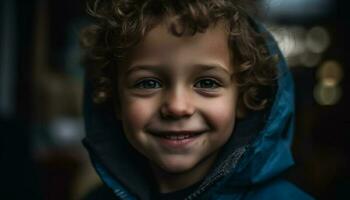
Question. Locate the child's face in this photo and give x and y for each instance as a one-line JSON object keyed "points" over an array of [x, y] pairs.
{"points": [[178, 99]]}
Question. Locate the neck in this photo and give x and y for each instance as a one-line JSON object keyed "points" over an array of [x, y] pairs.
{"points": [[170, 182]]}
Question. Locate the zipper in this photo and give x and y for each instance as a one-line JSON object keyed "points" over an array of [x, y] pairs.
{"points": [[225, 168], [120, 194]]}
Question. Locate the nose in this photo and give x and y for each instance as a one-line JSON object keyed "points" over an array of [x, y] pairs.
{"points": [[177, 104]]}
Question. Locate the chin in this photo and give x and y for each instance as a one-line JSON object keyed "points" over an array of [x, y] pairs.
{"points": [[176, 166]]}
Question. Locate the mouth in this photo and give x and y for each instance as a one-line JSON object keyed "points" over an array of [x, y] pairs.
{"points": [[176, 135], [176, 140]]}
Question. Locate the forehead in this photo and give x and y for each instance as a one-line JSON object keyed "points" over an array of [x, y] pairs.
{"points": [[161, 46]]}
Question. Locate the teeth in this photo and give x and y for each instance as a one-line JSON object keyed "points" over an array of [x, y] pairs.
{"points": [[177, 137]]}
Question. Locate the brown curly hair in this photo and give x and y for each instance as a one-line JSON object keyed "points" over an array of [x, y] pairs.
{"points": [[121, 24]]}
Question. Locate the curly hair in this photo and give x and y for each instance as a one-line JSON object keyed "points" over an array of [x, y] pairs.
{"points": [[121, 24]]}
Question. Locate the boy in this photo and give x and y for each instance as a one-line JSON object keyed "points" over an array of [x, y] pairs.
{"points": [[187, 102]]}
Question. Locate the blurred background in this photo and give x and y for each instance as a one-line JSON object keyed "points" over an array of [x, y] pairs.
{"points": [[41, 125]]}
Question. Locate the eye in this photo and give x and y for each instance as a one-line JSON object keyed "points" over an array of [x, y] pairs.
{"points": [[207, 84], [148, 84]]}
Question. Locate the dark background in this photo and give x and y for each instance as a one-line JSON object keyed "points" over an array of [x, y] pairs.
{"points": [[41, 156]]}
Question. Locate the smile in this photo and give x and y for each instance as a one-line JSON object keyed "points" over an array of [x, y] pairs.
{"points": [[176, 135], [176, 139]]}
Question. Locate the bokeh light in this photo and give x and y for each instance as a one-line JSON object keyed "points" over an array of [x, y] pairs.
{"points": [[330, 73], [301, 46], [327, 91], [327, 95], [317, 39]]}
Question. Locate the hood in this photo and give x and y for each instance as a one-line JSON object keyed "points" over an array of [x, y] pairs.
{"points": [[258, 150]]}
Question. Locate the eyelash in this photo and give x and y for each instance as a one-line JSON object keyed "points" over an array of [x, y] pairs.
{"points": [[215, 83], [157, 83], [141, 84]]}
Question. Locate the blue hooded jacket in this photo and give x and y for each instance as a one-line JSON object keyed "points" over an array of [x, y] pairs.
{"points": [[249, 165]]}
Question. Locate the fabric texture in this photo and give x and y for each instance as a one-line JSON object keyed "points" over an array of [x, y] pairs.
{"points": [[248, 167]]}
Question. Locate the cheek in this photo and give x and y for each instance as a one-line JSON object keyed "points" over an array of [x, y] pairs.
{"points": [[221, 115], [136, 114]]}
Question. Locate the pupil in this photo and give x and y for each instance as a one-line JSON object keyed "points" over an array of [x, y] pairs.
{"points": [[150, 84], [207, 83]]}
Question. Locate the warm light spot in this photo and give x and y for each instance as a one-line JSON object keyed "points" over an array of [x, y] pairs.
{"points": [[330, 72], [327, 95]]}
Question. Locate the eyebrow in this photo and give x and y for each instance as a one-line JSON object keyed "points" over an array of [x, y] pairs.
{"points": [[146, 67], [197, 68], [212, 67]]}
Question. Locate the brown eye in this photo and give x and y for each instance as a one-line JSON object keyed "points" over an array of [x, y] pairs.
{"points": [[148, 84], [207, 84]]}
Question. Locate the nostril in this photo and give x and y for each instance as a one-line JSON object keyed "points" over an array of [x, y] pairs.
{"points": [[176, 112], [177, 109]]}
